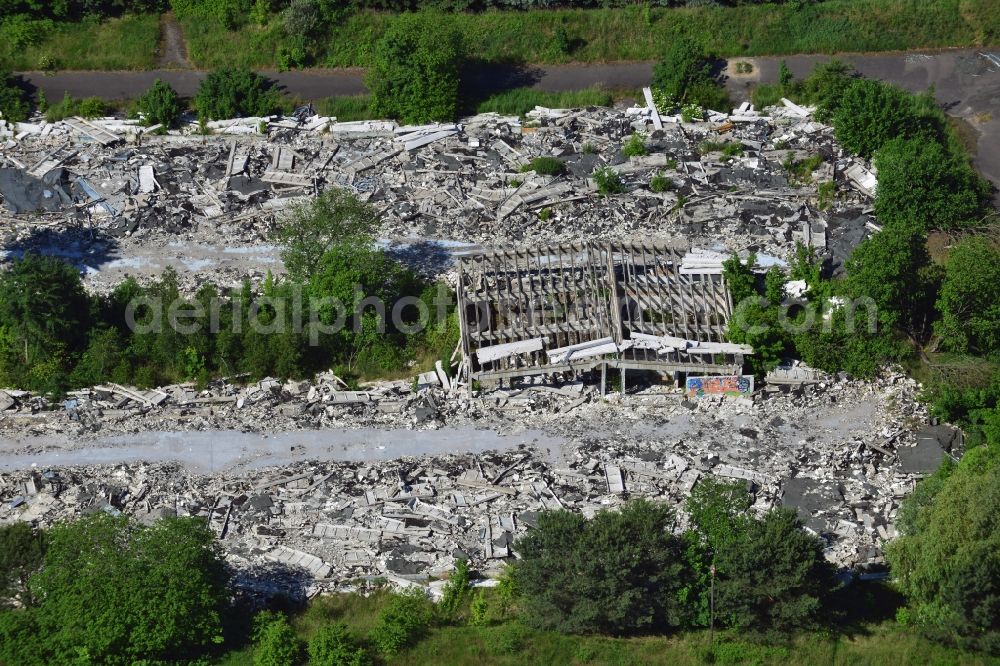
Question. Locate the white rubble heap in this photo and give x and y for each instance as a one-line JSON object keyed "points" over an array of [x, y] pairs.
{"points": [[312, 513], [80, 183]]}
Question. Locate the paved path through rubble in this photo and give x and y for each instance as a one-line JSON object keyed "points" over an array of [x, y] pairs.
{"points": [[966, 82], [218, 451]]}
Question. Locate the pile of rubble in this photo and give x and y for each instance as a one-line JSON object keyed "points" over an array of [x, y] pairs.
{"points": [[732, 185], [840, 452]]}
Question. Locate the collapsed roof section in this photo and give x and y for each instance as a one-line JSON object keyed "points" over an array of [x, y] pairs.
{"points": [[575, 307]]}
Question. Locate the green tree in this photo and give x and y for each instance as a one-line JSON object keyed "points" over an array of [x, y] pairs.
{"points": [[114, 592], [44, 317], [416, 70], [334, 645], [160, 105], [947, 559], [231, 93], [619, 572], [22, 549], [969, 299], [14, 104], [923, 183], [336, 217], [871, 113], [682, 67], [455, 592], [890, 268], [770, 573]]}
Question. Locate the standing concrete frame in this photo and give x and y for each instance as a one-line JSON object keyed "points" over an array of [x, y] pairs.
{"points": [[576, 307]]}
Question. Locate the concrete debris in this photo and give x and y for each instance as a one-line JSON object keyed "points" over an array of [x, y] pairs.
{"points": [[200, 202], [355, 484]]}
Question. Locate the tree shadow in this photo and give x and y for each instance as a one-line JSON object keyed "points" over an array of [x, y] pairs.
{"points": [[423, 257], [858, 606], [87, 249], [481, 79], [273, 585]]}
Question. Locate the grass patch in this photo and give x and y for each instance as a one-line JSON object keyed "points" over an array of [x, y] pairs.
{"points": [[727, 148], [766, 95], [128, 42], [545, 166], [635, 33], [347, 107], [518, 101], [510, 644], [801, 170]]}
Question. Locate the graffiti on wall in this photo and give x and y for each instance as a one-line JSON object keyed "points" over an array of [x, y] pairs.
{"points": [[736, 385]]}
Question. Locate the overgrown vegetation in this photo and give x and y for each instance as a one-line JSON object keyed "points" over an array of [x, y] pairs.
{"points": [[88, 107], [608, 181], [684, 77]]}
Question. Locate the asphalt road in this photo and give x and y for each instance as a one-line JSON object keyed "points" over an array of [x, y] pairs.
{"points": [[966, 83]]}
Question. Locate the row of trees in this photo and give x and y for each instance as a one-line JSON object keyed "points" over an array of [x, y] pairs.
{"points": [[53, 335], [628, 571]]}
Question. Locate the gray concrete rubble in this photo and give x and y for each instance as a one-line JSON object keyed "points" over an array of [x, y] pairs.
{"points": [[171, 199], [390, 483]]}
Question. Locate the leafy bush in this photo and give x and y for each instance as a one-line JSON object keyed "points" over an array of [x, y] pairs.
{"points": [[334, 645], [545, 166], [635, 146], [683, 67], [22, 552], [608, 181], [14, 103], [160, 105], [275, 642], [616, 573], [403, 622], [969, 300], [231, 93], [416, 70]]}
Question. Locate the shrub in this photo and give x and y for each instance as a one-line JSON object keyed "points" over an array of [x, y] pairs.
{"points": [[683, 67], [160, 105], [545, 166], [231, 93], [275, 642], [660, 183], [608, 181], [456, 590], [692, 112], [403, 622], [969, 300], [635, 146], [334, 645], [415, 72], [616, 573], [14, 103]]}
